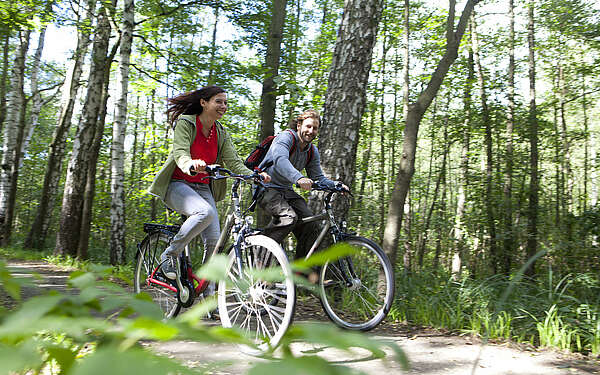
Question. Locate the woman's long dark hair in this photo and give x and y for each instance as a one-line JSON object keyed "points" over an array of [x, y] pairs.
{"points": [[189, 103]]}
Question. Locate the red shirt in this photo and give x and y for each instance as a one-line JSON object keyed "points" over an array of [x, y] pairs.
{"points": [[202, 148]]}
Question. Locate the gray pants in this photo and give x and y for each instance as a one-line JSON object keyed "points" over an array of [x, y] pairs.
{"points": [[286, 207], [197, 203]]}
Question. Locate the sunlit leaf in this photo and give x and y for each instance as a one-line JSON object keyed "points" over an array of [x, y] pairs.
{"points": [[334, 252], [215, 269], [14, 359], [133, 361]]}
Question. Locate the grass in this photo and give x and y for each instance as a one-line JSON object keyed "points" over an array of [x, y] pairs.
{"points": [[551, 312]]}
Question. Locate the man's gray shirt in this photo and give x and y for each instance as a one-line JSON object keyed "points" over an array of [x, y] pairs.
{"points": [[285, 171]]}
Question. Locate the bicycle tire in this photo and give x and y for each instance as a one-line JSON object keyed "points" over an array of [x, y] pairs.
{"points": [[263, 309], [364, 304], [147, 260]]}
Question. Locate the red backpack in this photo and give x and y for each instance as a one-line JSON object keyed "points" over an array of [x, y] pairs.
{"points": [[258, 154]]}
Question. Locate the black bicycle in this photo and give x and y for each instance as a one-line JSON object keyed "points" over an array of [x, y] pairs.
{"points": [[357, 290]]}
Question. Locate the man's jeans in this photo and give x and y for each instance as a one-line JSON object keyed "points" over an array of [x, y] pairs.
{"points": [[286, 207]]}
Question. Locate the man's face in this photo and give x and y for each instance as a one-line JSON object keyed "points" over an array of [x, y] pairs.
{"points": [[308, 130]]}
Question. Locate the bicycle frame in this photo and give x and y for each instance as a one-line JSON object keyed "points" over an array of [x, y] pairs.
{"points": [[337, 235], [329, 218], [233, 223]]}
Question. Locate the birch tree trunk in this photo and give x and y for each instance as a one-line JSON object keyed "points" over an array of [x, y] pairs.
{"points": [[415, 115], [3, 77], [36, 98], [68, 236], [117, 208], [11, 138], [39, 230], [532, 235], [90, 185], [345, 98]]}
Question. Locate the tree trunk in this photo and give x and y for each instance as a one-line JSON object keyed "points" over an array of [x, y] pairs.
{"points": [[463, 186], [90, 185], [566, 171], [67, 239], [345, 98], [509, 234], [532, 235], [586, 150], [489, 167], [382, 145], [268, 98], [438, 183], [36, 96], [3, 77], [39, 230], [415, 114], [117, 188], [11, 139], [213, 46]]}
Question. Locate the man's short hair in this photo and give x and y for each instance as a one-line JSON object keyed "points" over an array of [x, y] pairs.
{"points": [[309, 113]]}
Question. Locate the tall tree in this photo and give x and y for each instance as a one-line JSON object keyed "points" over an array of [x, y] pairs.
{"points": [[489, 162], [4, 76], [463, 187], [117, 208], [68, 236], [36, 236], [345, 98], [509, 233], [268, 97], [532, 212], [413, 120], [12, 137]]}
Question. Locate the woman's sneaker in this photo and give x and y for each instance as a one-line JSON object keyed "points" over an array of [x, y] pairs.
{"points": [[168, 266]]}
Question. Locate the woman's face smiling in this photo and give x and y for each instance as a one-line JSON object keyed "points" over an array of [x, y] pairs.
{"points": [[216, 106]]}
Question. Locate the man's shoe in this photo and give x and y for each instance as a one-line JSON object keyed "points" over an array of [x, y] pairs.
{"points": [[168, 267]]}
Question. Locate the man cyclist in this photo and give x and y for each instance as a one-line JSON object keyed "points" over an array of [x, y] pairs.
{"points": [[291, 152]]}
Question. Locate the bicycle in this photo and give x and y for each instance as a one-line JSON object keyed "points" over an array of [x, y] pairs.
{"points": [[262, 305], [356, 291]]}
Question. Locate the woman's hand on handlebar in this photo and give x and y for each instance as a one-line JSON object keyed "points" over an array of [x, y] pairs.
{"points": [[197, 166]]}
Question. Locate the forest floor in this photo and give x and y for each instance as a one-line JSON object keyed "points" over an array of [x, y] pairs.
{"points": [[430, 352]]}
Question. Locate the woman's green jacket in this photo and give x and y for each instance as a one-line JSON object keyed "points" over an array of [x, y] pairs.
{"points": [[183, 137]]}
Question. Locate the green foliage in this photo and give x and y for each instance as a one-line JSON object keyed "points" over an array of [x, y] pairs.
{"points": [[98, 330]]}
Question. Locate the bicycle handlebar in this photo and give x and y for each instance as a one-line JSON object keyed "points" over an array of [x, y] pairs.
{"points": [[220, 173], [338, 188]]}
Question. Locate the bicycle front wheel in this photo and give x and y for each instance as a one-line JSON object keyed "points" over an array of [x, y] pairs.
{"points": [[357, 291], [147, 261], [260, 299]]}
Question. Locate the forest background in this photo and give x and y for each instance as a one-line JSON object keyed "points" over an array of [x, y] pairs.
{"points": [[470, 140]]}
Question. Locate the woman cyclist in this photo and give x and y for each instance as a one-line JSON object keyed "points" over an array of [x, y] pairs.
{"points": [[198, 140]]}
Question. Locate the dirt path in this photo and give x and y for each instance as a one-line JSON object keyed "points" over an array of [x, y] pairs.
{"points": [[430, 352]]}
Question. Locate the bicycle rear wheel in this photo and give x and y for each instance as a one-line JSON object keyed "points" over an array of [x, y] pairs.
{"points": [[147, 260], [261, 299], [357, 291]]}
